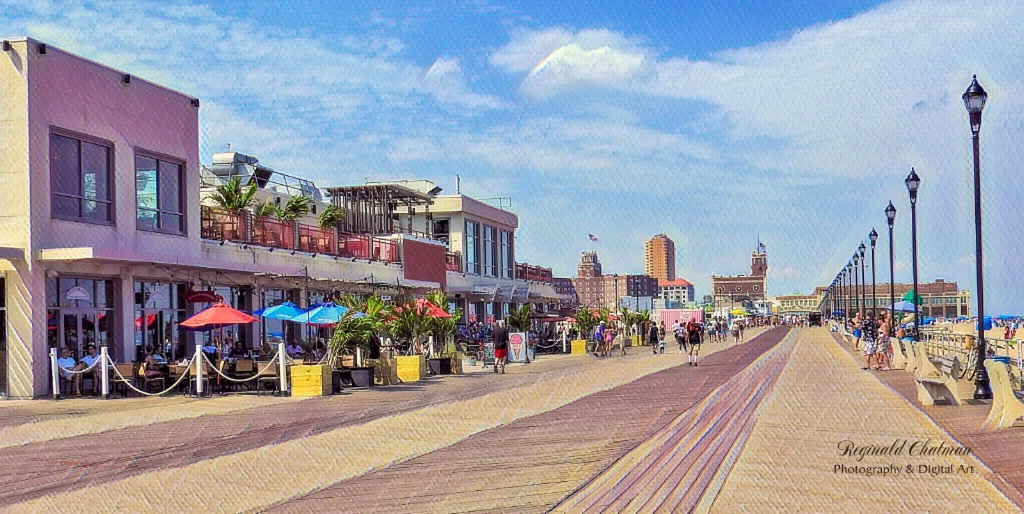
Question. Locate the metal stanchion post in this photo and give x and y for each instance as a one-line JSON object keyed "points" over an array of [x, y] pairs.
{"points": [[199, 370], [282, 376], [104, 372], [55, 373], [563, 340]]}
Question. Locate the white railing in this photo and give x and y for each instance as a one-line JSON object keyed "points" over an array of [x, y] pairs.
{"points": [[106, 364]]}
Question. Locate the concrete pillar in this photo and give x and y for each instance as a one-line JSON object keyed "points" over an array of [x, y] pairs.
{"points": [[27, 362], [124, 315]]}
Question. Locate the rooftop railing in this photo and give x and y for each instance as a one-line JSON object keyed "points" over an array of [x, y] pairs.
{"points": [[249, 229], [453, 261], [526, 271]]}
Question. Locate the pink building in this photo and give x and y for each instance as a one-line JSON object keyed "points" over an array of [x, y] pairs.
{"points": [[101, 231], [107, 233]]}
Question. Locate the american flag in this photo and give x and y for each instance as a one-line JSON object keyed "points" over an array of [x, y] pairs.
{"points": [[592, 237]]}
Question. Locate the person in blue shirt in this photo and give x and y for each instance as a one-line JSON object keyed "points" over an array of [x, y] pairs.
{"points": [[65, 365], [599, 335], [86, 363]]}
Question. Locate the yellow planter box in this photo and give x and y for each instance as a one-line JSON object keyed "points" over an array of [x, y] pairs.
{"points": [[411, 367], [385, 371], [579, 347], [312, 380], [636, 340]]}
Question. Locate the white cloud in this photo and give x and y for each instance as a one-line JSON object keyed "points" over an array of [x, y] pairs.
{"points": [[803, 139], [447, 82]]}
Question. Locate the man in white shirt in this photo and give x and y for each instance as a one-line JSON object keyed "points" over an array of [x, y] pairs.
{"points": [[66, 364], [293, 349], [87, 361]]}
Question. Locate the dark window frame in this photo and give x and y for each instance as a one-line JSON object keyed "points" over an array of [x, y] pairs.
{"points": [[505, 249], [182, 197], [472, 258], [111, 202], [490, 253]]}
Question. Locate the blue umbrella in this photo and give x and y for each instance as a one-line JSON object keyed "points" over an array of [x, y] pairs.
{"points": [[285, 311], [323, 314], [902, 306]]}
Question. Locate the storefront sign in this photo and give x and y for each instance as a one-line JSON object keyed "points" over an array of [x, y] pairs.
{"points": [[77, 293], [202, 297]]}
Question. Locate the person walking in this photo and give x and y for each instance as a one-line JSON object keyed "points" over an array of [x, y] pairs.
{"points": [[869, 333], [856, 323], [661, 338], [500, 335], [679, 330], [695, 334], [652, 338], [598, 339], [884, 350]]}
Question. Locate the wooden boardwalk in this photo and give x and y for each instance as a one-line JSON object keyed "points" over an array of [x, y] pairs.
{"points": [[531, 465], [1001, 450]]}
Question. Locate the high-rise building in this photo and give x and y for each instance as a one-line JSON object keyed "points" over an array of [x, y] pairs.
{"points": [[660, 258]]}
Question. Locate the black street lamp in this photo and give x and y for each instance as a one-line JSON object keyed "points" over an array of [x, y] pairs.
{"points": [[873, 236], [913, 182], [974, 100], [856, 284], [863, 282], [890, 217], [849, 285]]}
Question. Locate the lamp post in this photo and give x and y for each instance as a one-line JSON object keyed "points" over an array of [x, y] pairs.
{"points": [[856, 283], [849, 285], [974, 100], [890, 217], [913, 182], [863, 280], [873, 236]]}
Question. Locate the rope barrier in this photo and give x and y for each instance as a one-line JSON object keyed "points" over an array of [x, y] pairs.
{"points": [[272, 362], [128, 383], [78, 372]]}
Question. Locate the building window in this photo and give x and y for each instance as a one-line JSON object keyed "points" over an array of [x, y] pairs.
{"points": [[472, 247], [80, 180], [490, 251], [159, 203], [507, 259]]}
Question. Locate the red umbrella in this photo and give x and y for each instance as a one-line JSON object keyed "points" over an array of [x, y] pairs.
{"points": [[432, 310], [219, 314]]}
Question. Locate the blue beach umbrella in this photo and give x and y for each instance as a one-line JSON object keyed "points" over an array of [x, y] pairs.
{"points": [[285, 311], [902, 306], [323, 314]]}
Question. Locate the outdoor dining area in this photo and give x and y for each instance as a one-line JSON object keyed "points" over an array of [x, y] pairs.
{"points": [[291, 369]]}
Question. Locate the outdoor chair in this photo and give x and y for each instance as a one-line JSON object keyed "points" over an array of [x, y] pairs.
{"points": [[269, 376], [145, 383], [192, 389], [122, 381], [244, 368]]}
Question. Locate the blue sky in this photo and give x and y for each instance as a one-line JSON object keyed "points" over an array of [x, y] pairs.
{"points": [[714, 122]]}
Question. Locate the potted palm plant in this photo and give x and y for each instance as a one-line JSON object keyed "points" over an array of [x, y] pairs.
{"points": [[444, 358], [408, 324], [586, 321], [355, 331], [330, 216], [231, 196]]}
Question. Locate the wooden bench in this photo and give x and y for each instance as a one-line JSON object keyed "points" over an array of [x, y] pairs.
{"points": [[1006, 407], [937, 379]]}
